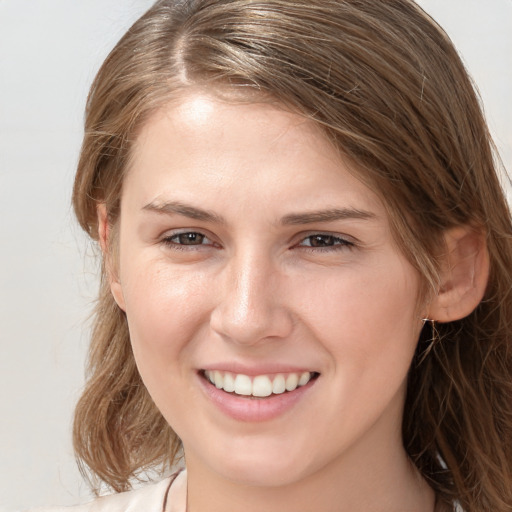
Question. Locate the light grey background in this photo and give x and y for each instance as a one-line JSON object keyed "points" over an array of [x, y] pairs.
{"points": [[49, 53]]}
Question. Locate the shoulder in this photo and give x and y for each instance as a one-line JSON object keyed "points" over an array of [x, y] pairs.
{"points": [[149, 498]]}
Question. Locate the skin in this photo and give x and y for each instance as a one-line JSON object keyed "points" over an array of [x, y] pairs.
{"points": [[252, 291]]}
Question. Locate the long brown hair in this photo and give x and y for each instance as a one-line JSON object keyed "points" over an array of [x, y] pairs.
{"points": [[388, 88]]}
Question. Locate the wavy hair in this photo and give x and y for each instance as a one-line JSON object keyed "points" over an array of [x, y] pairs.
{"points": [[387, 87]]}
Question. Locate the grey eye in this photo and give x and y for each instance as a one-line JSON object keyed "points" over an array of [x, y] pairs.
{"points": [[188, 239]]}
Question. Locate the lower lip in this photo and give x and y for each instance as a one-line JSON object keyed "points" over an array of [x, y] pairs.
{"points": [[254, 409]]}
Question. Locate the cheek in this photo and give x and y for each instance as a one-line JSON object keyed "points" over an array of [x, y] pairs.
{"points": [[368, 317], [368, 325], [165, 311]]}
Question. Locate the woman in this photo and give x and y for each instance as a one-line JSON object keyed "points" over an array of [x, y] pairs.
{"points": [[306, 287]]}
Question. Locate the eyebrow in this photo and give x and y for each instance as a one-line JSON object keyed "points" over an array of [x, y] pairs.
{"points": [[178, 208], [192, 212], [329, 215]]}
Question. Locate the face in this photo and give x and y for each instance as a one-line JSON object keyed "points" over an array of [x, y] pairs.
{"points": [[272, 317]]}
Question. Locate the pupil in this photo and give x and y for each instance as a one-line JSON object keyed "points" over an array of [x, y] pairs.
{"points": [[190, 238], [321, 241]]}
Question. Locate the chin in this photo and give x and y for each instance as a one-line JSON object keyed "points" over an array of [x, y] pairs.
{"points": [[260, 475], [263, 467]]}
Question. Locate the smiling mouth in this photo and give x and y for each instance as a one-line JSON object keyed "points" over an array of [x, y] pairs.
{"points": [[259, 386]]}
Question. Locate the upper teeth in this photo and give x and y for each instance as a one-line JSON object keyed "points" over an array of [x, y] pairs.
{"points": [[261, 385]]}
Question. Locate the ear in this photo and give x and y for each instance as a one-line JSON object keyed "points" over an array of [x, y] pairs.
{"points": [[464, 275], [106, 249]]}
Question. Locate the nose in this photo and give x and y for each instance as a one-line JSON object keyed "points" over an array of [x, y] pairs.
{"points": [[250, 305]]}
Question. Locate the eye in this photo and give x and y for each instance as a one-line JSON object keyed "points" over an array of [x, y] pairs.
{"points": [[187, 238], [325, 241]]}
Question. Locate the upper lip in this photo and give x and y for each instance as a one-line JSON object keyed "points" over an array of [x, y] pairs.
{"points": [[257, 369]]}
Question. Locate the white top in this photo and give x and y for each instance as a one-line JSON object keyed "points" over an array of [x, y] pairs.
{"points": [[169, 495]]}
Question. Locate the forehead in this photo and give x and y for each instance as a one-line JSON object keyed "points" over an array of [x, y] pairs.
{"points": [[204, 144], [228, 117]]}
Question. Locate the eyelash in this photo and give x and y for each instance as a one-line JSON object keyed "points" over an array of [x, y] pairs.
{"points": [[338, 243]]}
